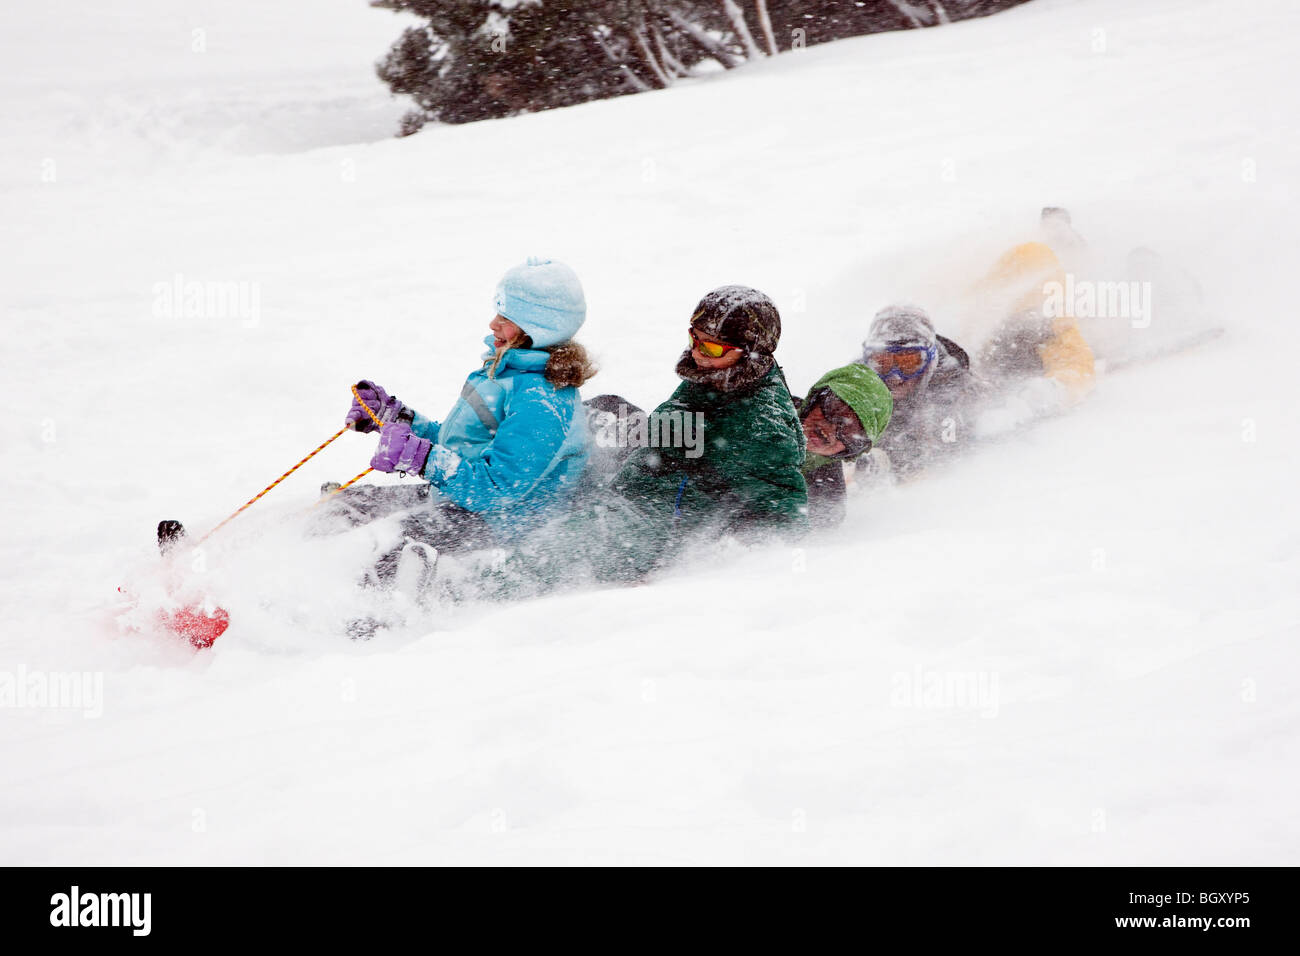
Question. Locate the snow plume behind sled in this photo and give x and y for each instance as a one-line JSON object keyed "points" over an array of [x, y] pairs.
{"points": [[1135, 282], [281, 580], [303, 580]]}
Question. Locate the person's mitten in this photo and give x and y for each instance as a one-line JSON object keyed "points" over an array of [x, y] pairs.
{"points": [[399, 450], [387, 408]]}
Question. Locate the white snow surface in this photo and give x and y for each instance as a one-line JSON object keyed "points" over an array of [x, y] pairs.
{"points": [[1120, 581]]}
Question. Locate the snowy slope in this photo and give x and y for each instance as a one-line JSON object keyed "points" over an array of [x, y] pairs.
{"points": [[1120, 583]]}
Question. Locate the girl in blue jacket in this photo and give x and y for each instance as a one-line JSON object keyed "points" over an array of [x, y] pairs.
{"points": [[514, 445]]}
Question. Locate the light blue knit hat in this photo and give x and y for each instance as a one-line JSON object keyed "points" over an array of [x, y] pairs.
{"points": [[544, 298]]}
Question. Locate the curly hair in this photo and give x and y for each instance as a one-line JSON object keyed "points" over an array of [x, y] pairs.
{"points": [[569, 365]]}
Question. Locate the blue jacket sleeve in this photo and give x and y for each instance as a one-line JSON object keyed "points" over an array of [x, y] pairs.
{"points": [[528, 440], [425, 428]]}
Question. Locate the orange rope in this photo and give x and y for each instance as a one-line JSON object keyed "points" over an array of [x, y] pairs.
{"points": [[357, 396], [250, 501], [344, 486], [348, 484], [318, 448]]}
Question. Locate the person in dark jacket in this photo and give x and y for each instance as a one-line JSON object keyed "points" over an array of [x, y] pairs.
{"points": [[934, 391], [746, 474], [722, 456], [843, 415]]}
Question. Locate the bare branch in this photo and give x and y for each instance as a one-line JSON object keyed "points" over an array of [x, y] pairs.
{"points": [[647, 55], [704, 41], [765, 22], [629, 74], [737, 17], [665, 55]]}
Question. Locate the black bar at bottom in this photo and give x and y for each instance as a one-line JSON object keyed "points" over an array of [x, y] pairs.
{"points": [[1231, 906]]}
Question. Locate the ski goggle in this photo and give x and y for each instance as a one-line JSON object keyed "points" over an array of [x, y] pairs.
{"points": [[902, 362], [711, 349]]}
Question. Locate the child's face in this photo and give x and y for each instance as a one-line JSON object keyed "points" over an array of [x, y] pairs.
{"points": [[901, 391], [504, 331], [820, 434], [727, 360], [825, 435]]}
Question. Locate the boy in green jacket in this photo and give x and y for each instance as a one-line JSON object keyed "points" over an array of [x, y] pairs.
{"points": [[723, 455]]}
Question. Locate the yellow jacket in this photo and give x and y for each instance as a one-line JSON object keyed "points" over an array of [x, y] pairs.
{"points": [[1017, 281]]}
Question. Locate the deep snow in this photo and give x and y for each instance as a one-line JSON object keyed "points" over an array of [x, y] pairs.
{"points": [[1120, 582]]}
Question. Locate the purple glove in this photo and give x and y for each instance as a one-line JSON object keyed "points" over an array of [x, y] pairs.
{"points": [[399, 450], [386, 407]]}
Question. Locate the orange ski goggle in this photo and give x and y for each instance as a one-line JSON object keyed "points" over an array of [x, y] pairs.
{"points": [[711, 349]]}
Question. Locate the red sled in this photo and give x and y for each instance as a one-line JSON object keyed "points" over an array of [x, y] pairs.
{"points": [[195, 625]]}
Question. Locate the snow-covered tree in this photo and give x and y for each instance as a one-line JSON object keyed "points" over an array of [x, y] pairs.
{"points": [[479, 59]]}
